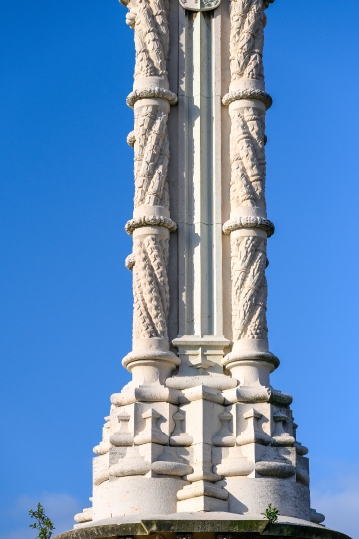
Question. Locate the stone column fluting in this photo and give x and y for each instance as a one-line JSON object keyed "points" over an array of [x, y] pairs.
{"points": [[151, 358], [249, 361]]}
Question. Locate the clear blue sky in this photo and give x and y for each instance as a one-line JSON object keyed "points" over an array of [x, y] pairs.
{"points": [[66, 192]]}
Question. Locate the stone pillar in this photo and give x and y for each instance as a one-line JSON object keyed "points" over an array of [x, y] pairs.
{"points": [[249, 361], [151, 358], [201, 431]]}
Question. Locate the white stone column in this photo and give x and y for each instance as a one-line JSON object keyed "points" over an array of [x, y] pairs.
{"points": [[250, 360], [200, 432], [151, 359]]}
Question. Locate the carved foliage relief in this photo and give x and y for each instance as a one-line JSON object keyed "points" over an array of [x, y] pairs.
{"points": [[151, 156], [246, 39], [248, 172], [249, 287], [150, 287], [149, 20], [248, 163]]}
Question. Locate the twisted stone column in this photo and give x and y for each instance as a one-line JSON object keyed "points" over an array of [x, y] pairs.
{"points": [[151, 359], [250, 361]]}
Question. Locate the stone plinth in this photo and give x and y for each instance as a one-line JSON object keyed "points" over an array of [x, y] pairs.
{"points": [[202, 526]]}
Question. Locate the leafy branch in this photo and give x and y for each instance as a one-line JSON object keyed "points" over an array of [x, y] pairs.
{"points": [[43, 524]]}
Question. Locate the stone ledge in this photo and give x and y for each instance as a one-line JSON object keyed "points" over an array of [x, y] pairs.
{"points": [[205, 526]]}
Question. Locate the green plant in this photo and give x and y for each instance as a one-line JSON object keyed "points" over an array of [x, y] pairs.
{"points": [[43, 524], [271, 513]]}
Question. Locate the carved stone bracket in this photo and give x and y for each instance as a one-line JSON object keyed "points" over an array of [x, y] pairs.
{"points": [[253, 432], [178, 437], [123, 437], [224, 438], [151, 433]]}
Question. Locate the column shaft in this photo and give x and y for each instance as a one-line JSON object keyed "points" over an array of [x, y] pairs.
{"points": [[200, 340]]}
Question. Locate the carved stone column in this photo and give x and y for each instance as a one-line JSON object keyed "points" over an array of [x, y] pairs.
{"points": [[202, 431], [249, 361], [151, 358]]}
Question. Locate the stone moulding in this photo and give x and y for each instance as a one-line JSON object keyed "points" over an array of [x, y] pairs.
{"points": [[234, 467], [154, 392], [278, 397], [275, 469], [204, 527], [147, 355], [249, 222], [150, 220], [147, 93], [85, 516], [101, 478], [268, 357], [171, 468], [249, 93]]}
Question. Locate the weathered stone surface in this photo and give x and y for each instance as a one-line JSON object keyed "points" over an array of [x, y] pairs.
{"points": [[204, 528], [199, 442]]}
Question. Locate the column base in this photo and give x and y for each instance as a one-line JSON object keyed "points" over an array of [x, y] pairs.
{"points": [[150, 365]]}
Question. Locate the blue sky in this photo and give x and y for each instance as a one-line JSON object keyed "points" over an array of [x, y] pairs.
{"points": [[66, 192]]}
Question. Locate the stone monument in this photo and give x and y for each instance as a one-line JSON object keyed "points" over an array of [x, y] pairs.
{"points": [[199, 442]]}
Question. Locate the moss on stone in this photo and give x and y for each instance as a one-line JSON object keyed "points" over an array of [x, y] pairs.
{"points": [[240, 529]]}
